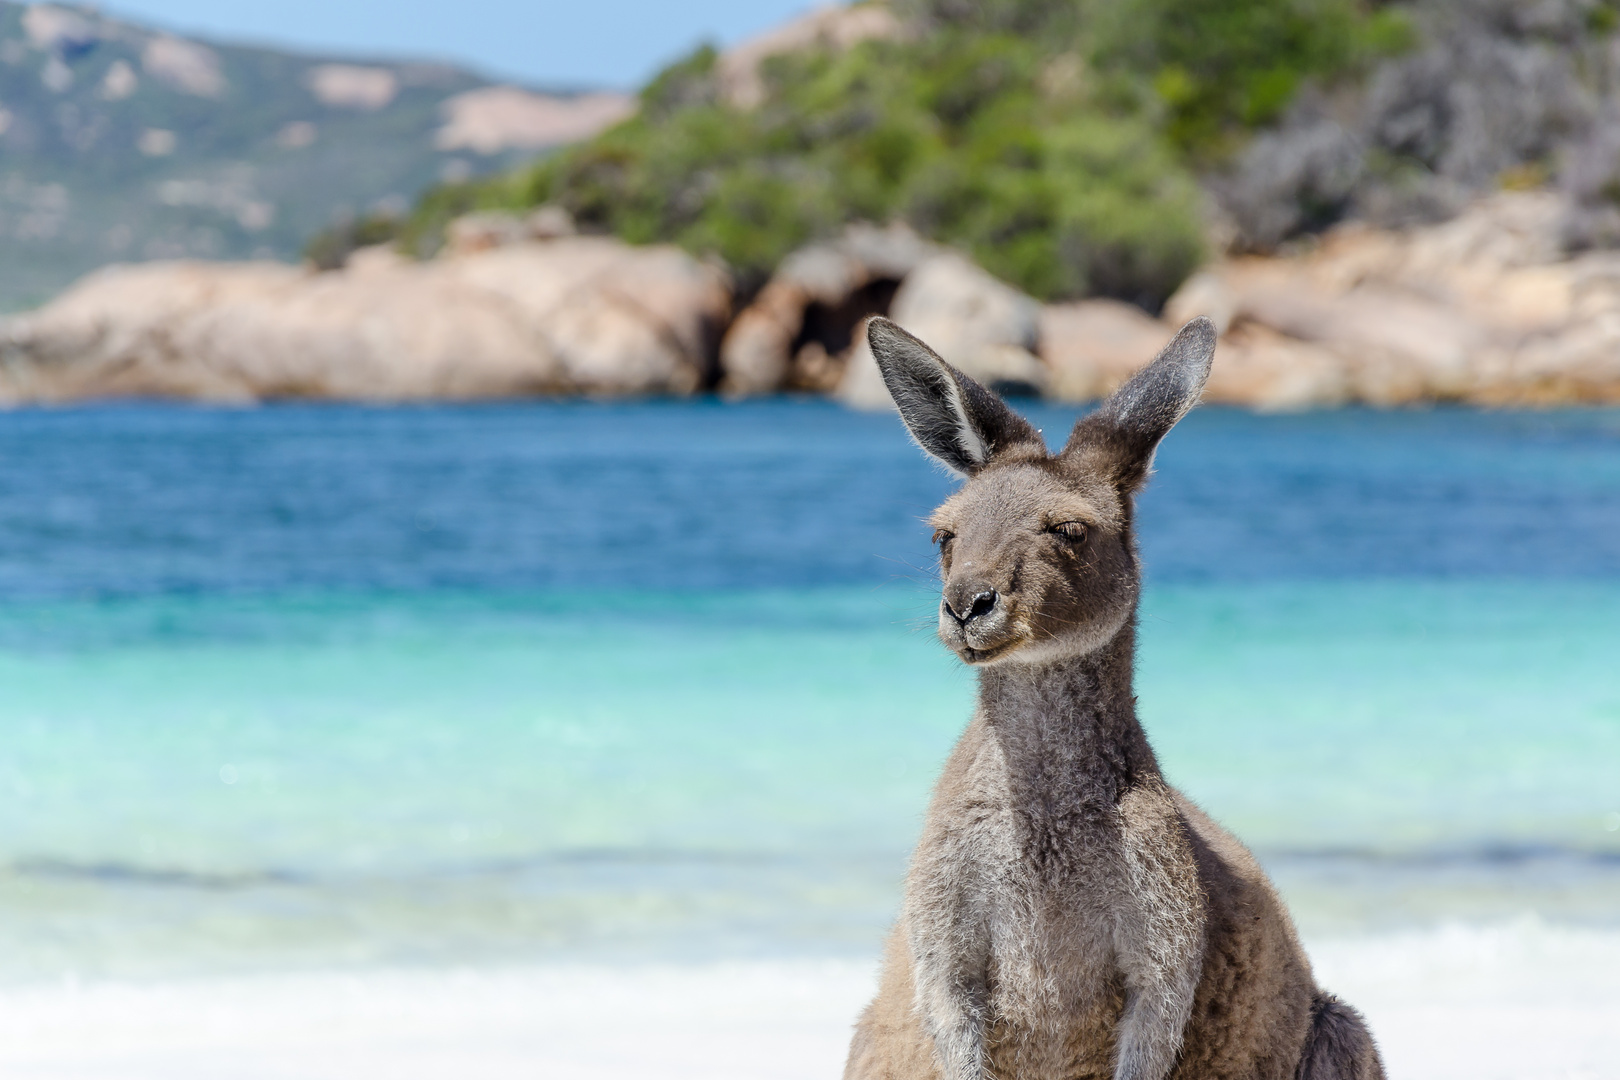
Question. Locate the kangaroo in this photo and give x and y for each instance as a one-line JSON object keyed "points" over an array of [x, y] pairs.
{"points": [[1068, 915]]}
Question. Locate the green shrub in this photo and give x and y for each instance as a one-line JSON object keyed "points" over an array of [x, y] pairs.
{"points": [[1223, 67], [332, 246], [1054, 140]]}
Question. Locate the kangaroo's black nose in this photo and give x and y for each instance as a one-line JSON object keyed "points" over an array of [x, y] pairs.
{"points": [[981, 604]]}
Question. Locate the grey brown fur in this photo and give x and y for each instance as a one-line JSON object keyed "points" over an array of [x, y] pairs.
{"points": [[1068, 914]]}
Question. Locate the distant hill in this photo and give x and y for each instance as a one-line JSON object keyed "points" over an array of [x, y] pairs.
{"points": [[119, 143]]}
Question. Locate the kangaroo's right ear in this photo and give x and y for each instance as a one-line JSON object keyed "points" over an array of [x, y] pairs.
{"points": [[953, 418]]}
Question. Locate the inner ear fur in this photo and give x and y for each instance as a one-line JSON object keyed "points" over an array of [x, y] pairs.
{"points": [[954, 419], [1127, 428]]}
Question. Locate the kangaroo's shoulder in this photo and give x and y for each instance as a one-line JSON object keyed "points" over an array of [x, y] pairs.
{"points": [[974, 779], [1238, 894], [968, 832], [1164, 889], [1219, 853]]}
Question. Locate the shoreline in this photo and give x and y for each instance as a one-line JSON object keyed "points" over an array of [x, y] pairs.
{"points": [[1523, 999]]}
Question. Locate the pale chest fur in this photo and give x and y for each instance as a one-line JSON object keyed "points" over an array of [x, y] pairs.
{"points": [[1045, 935]]}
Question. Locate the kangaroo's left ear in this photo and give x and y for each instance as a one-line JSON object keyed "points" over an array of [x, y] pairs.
{"points": [[1127, 428], [953, 418]]}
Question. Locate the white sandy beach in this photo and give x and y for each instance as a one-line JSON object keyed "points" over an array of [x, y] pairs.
{"points": [[1515, 1002]]}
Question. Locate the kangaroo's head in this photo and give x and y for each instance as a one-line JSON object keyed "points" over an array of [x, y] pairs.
{"points": [[1036, 550]]}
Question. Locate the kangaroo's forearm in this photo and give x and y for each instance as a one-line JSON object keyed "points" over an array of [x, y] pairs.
{"points": [[1151, 1031], [960, 1048], [953, 999], [1160, 940], [952, 993]]}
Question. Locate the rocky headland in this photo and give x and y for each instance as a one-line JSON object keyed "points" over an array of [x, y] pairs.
{"points": [[1486, 309], [1439, 228], [570, 315]]}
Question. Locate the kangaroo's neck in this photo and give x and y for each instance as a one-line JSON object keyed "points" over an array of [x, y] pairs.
{"points": [[1073, 746]]}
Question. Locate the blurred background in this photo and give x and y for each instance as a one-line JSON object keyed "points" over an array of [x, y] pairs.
{"points": [[464, 602]]}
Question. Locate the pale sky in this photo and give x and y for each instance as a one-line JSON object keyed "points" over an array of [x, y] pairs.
{"points": [[568, 42]]}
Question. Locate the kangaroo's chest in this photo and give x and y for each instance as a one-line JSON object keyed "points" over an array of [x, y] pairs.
{"points": [[1047, 878]]}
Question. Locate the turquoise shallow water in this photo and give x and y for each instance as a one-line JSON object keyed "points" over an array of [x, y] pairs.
{"points": [[224, 782], [332, 687]]}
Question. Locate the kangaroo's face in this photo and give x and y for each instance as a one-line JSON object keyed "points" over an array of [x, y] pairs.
{"points": [[1036, 561], [1036, 550]]}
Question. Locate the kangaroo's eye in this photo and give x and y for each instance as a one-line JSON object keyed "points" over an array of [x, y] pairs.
{"points": [[1070, 530], [943, 536]]}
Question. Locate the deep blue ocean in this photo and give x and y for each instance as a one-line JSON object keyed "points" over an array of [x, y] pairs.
{"points": [[328, 686]]}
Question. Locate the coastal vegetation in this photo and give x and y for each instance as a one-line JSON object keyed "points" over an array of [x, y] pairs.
{"points": [[1057, 142]]}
